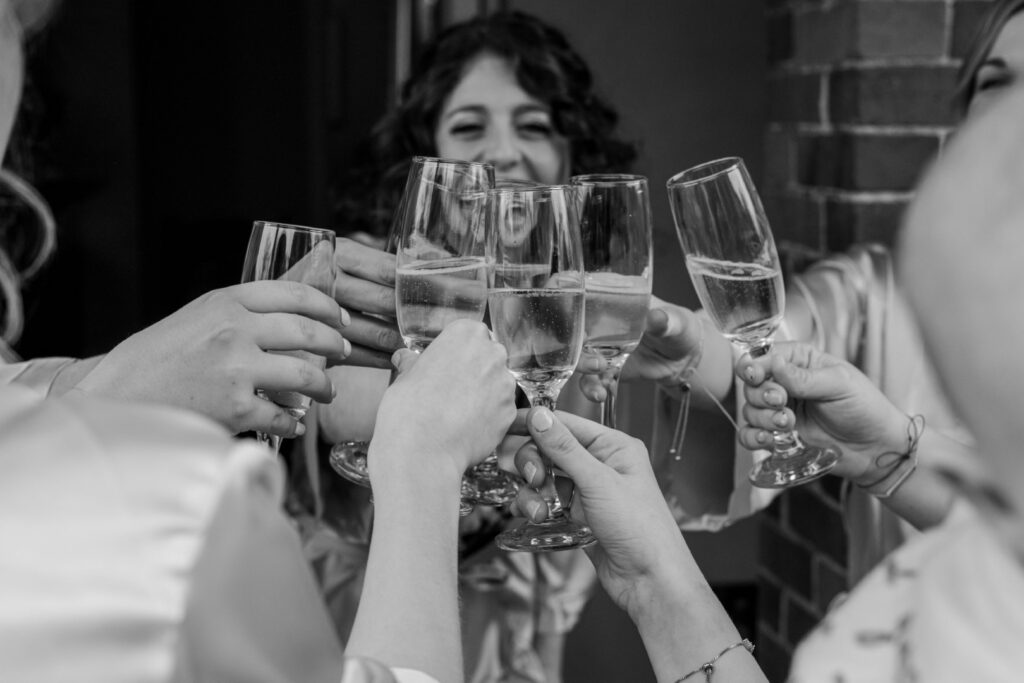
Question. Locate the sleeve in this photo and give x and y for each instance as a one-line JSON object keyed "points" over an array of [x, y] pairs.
{"points": [[38, 374]]}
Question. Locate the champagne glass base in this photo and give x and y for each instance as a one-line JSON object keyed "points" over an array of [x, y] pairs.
{"points": [[549, 535], [348, 459], [807, 464], [490, 488]]}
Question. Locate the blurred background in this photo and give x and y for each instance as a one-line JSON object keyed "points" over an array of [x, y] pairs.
{"points": [[160, 131]]}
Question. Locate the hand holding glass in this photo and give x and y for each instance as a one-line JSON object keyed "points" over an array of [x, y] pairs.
{"points": [[536, 303], [730, 254], [278, 251]]}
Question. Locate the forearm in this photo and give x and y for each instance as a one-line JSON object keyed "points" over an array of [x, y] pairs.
{"points": [[408, 613], [683, 625]]}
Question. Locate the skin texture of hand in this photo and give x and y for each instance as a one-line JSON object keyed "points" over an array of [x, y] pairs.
{"points": [[454, 403], [616, 493], [365, 286], [211, 355], [834, 404]]}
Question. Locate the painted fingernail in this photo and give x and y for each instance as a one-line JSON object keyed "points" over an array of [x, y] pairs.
{"points": [[749, 373], [346, 347], [773, 397], [300, 429], [762, 437], [780, 418], [533, 508], [530, 470], [541, 419]]}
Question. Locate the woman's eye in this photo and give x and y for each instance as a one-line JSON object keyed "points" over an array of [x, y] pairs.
{"points": [[536, 129], [464, 129]]}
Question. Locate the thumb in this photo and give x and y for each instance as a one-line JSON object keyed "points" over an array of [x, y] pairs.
{"points": [[554, 440], [403, 360]]}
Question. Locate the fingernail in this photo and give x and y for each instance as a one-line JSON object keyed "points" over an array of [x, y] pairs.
{"points": [[762, 437], [334, 390], [345, 317], [749, 373], [300, 429], [780, 418], [530, 470], [533, 508], [541, 419], [773, 397], [346, 347]]}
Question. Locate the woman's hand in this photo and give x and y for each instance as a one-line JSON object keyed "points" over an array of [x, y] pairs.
{"points": [[211, 355], [365, 285], [448, 408], [834, 403], [616, 494], [671, 344]]}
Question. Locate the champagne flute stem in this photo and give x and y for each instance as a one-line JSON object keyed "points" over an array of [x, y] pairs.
{"points": [[548, 490], [610, 379], [679, 433]]}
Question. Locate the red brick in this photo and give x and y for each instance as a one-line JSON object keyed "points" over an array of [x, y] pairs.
{"points": [[818, 523], [824, 36], [779, 35], [794, 97], [859, 221], [779, 166], [893, 95], [786, 560], [796, 217], [800, 620], [864, 161], [900, 29], [967, 16], [769, 603], [831, 581], [773, 656]]}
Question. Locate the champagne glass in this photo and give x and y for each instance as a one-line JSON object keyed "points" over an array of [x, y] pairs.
{"points": [[278, 251], [536, 304], [349, 457], [730, 254], [615, 228], [441, 261]]}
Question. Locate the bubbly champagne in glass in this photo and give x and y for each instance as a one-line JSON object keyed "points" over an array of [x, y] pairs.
{"points": [[745, 300], [542, 331], [616, 313], [431, 294]]}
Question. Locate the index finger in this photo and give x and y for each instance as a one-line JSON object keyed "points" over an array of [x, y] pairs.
{"points": [[286, 296], [365, 262]]}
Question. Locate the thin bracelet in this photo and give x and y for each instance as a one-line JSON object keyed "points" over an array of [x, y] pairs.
{"points": [[915, 428], [708, 667]]}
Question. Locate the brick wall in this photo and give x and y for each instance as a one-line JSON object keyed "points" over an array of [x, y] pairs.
{"points": [[858, 98]]}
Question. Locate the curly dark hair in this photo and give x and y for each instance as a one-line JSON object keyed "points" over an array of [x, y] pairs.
{"points": [[546, 67], [984, 38]]}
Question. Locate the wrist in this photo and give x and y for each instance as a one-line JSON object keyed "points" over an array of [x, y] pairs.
{"points": [[892, 467]]}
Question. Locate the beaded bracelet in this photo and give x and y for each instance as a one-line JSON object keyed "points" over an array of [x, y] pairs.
{"points": [[915, 428], [708, 667]]}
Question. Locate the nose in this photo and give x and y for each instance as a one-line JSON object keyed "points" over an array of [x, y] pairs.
{"points": [[503, 151]]}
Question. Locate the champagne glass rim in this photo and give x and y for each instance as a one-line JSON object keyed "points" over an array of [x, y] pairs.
{"points": [[704, 172], [293, 226], [532, 188], [603, 179], [453, 162]]}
